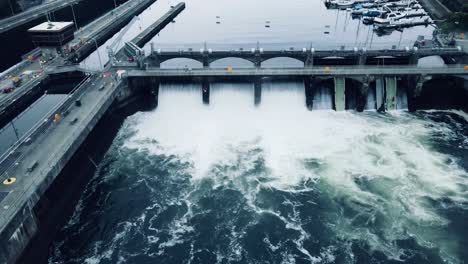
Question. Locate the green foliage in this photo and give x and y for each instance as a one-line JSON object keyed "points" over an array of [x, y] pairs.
{"points": [[457, 20]]}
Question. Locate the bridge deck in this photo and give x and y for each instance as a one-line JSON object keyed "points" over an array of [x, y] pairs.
{"points": [[33, 13], [59, 141], [146, 35], [313, 71], [98, 31], [29, 71], [158, 25]]}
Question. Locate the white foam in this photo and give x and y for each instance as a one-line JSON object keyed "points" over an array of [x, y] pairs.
{"points": [[391, 151]]}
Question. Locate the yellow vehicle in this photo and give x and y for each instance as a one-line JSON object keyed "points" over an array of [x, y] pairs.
{"points": [[16, 81]]}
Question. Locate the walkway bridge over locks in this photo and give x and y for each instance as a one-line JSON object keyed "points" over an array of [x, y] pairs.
{"points": [[351, 75]]}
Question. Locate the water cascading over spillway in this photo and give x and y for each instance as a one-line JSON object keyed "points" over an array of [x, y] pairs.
{"points": [[231, 182]]}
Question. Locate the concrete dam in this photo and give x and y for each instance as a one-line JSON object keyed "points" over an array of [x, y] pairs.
{"points": [[38, 170]]}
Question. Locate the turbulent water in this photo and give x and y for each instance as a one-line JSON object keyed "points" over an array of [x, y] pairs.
{"points": [[233, 183]]}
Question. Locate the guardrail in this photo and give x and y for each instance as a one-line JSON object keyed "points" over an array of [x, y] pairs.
{"points": [[15, 204], [25, 88], [6, 164]]}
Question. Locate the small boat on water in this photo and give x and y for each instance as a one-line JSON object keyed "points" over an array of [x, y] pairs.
{"points": [[403, 23], [368, 12], [395, 16], [343, 4]]}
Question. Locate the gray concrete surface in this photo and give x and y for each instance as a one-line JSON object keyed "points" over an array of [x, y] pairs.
{"points": [[60, 141], [33, 13]]}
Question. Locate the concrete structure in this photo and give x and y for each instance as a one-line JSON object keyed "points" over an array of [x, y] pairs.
{"points": [[97, 32], [435, 8], [390, 93], [34, 13], [29, 173], [347, 71], [52, 34], [133, 49], [87, 40], [312, 57], [35, 171], [146, 35], [340, 96], [59, 134], [384, 81]]}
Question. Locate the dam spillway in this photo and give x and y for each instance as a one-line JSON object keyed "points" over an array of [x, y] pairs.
{"points": [[316, 162]]}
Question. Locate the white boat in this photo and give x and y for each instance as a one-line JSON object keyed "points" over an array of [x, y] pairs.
{"points": [[404, 22], [389, 18], [343, 3]]}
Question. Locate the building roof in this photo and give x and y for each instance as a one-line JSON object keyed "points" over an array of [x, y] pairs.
{"points": [[51, 27]]}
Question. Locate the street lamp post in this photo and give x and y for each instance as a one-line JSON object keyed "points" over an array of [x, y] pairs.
{"points": [[97, 49], [74, 17], [11, 7]]}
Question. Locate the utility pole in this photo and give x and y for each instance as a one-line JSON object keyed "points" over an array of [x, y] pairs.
{"points": [[99, 55], [74, 17], [11, 7]]}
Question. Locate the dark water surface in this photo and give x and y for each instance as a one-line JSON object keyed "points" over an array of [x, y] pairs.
{"points": [[231, 183]]}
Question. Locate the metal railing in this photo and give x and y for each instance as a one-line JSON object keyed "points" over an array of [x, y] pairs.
{"points": [[15, 204], [39, 128]]}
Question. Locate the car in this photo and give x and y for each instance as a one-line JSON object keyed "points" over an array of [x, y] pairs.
{"points": [[8, 90]]}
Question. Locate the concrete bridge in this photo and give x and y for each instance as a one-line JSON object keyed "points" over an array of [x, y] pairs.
{"points": [[87, 40], [311, 57], [133, 48], [347, 71], [24, 203], [384, 79], [103, 28], [33, 13]]}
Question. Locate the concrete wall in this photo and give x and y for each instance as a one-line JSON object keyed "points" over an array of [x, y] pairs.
{"points": [[23, 227]]}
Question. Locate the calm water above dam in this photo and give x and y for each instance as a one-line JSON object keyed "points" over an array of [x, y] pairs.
{"points": [[230, 182]]}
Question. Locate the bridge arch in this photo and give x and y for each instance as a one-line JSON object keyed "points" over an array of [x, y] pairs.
{"points": [[179, 63], [232, 61], [282, 62]]}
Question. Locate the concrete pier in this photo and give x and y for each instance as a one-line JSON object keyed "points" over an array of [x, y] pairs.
{"points": [[146, 35], [206, 91], [380, 94], [390, 93], [257, 92], [340, 98], [309, 86], [97, 32], [158, 25]]}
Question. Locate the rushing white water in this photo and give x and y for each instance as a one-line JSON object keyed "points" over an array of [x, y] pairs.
{"points": [[388, 154]]}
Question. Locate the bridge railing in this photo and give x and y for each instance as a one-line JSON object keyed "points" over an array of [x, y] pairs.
{"points": [[45, 123], [7, 215], [273, 46]]}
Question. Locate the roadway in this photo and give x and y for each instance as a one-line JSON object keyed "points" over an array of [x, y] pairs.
{"points": [[286, 72], [33, 170], [33, 13], [31, 74], [146, 35]]}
